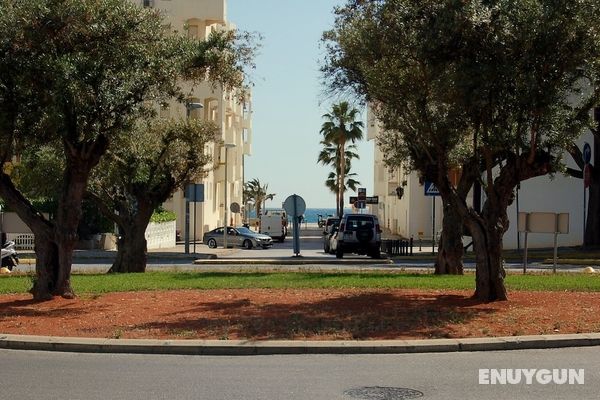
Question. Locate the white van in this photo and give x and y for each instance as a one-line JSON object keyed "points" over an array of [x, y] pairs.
{"points": [[274, 223]]}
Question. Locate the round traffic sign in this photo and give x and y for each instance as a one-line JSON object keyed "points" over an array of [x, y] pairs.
{"points": [[234, 208], [587, 153], [300, 205]]}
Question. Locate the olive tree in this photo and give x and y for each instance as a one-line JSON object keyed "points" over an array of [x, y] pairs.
{"points": [[500, 87], [140, 172], [80, 73]]}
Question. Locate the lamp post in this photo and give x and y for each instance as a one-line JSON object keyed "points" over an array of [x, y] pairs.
{"points": [[189, 106], [227, 147]]}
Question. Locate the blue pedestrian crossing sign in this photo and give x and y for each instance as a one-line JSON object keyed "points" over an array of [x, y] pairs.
{"points": [[430, 189]]}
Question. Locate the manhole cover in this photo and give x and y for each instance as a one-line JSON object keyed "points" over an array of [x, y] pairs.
{"points": [[383, 393]]}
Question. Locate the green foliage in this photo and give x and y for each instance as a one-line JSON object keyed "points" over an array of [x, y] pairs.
{"points": [[160, 216], [157, 157], [38, 174], [93, 221], [515, 74], [78, 76], [257, 193], [143, 169]]}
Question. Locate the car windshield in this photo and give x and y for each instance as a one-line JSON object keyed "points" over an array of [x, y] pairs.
{"points": [[356, 222], [245, 230]]}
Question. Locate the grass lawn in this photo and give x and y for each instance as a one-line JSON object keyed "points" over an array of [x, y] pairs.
{"points": [[86, 283]]}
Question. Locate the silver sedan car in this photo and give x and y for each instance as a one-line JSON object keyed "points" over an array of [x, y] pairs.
{"points": [[237, 237]]}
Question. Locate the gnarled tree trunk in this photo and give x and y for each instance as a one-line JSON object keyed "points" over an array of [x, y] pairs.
{"points": [[450, 252], [341, 178], [56, 240], [131, 245], [490, 271], [46, 253]]}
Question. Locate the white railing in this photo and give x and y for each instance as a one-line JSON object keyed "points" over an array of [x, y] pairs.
{"points": [[158, 236], [161, 235], [23, 241]]}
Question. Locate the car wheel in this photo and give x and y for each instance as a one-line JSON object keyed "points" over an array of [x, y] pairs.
{"points": [[212, 243], [247, 244], [376, 253]]}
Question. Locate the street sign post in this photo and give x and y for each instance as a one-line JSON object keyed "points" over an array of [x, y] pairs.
{"points": [[432, 191], [295, 206], [194, 192], [234, 207]]}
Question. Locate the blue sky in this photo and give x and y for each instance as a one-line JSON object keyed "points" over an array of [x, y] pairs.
{"points": [[288, 100]]}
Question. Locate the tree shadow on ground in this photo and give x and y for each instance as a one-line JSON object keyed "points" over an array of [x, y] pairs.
{"points": [[35, 308], [371, 315]]}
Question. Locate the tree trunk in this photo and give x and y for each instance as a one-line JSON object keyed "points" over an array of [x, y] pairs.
{"points": [[450, 252], [132, 246], [46, 253], [46, 249], [341, 177], [131, 251], [490, 273], [592, 227]]}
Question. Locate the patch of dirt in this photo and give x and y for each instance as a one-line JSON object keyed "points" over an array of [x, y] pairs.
{"points": [[307, 314]]}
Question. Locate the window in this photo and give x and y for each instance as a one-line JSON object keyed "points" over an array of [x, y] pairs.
{"points": [[192, 31], [148, 3]]}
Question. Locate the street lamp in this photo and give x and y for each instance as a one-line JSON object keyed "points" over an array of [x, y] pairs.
{"points": [[227, 147], [189, 106]]}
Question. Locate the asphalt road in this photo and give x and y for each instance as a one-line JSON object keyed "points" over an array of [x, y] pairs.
{"points": [[44, 375], [311, 246]]}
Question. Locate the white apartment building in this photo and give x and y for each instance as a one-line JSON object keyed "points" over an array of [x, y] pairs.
{"points": [[200, 17], [412, 215]]}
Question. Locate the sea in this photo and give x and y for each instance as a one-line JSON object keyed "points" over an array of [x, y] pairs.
{"points": [[312, 214]]}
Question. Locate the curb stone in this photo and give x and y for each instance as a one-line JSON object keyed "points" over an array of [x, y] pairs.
{"points": [[271, 347], [293, 261]]}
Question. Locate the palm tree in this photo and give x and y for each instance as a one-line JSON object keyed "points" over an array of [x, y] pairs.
{"points": [[328, 156], [257, 194], [332, 182], [340, 127]]}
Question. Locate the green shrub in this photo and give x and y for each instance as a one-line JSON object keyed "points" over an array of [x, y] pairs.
{"points": [[163, 216]]}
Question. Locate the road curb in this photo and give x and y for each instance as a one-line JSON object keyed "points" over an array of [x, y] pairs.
{"points": [[272, 347], [293, 261]]}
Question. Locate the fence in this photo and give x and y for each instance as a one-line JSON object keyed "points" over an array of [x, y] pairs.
{"points": [[158, 236], [397, 247], [161, 235], [23, 241]]}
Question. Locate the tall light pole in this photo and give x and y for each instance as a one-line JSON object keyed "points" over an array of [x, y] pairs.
{"points": [[225, 207], [189, 106]]}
